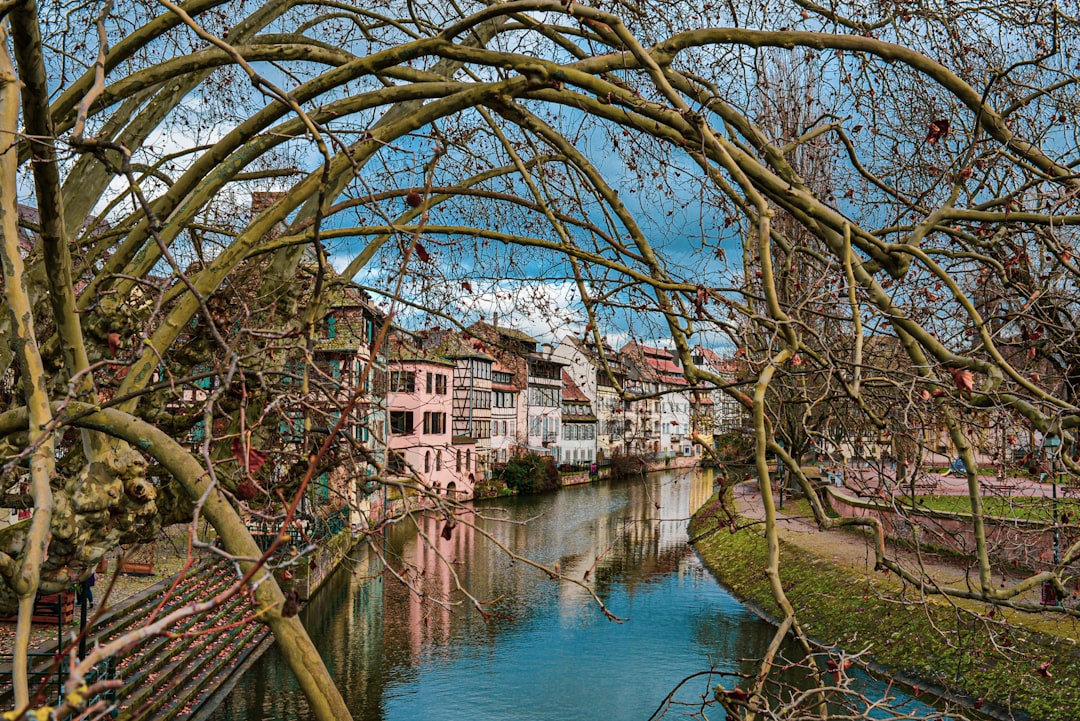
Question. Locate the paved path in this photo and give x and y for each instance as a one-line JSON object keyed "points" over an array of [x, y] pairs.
{"points": [[852, 548], [867, 480]]}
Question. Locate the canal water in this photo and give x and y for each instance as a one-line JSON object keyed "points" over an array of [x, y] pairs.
{"points": [[415, 646]]}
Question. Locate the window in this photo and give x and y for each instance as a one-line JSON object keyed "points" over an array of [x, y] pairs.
{"points": [[331, 327], [543, 396], [430, 382], [434, 422], [402, 382], [468, 459], [440, 384], [396, 462], [438, 460], [401, 423], [427, 462], [458, 461], [501, 377]]}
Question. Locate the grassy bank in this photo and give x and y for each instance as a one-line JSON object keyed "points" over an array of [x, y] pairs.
{"points": [[963, 649]]}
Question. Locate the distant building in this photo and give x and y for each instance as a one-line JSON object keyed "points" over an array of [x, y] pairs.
{"points": [[352, 379], [578, 444], [420, 404], [519, 354], [472, 396], [506, 400], [728, 413], [660, 420], [600, 374]]}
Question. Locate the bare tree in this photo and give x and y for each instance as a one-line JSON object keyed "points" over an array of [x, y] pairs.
{"points": [[422, 154]]}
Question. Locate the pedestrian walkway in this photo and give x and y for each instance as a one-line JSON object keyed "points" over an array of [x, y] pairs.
{"points": [[853, 548]]}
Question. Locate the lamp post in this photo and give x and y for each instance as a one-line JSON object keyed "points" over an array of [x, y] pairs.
{"points": [[780, 472], [1052, 447]]}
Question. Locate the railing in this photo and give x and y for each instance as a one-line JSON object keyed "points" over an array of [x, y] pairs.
{"points": [[45, 673]]}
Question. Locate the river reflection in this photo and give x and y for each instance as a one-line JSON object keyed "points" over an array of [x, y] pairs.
{"points": [[545, 652]]}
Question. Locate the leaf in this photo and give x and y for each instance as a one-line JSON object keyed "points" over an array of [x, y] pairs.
{"points": [[924, 394], [1044, 669], [255, 460], [422, 254], [246, 490], [292, 604], [466, 286], [448, 530], [114, 343], [414, 199], [938, 130], [963, 378]]}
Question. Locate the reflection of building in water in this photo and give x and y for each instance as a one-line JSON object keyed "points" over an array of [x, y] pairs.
{"points": [[645, 540], [431, 566]]}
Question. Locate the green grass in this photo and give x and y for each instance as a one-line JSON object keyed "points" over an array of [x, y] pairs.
{"points": [[962, 650], [1019, 507]]}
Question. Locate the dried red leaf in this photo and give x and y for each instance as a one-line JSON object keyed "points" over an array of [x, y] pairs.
{"points": [[255, 458], [447, 530], [422, 254], [963, 378], [292, 604], [246, 490], [466, 286], [938, 129], [1044, 669], [114, 343], [924, 394], [414, 199]]}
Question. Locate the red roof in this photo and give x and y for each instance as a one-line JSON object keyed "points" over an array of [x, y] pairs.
{"points": [[570, 391]]}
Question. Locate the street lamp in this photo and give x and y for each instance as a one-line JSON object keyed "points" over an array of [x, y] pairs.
{"points": [[1052, 447]]}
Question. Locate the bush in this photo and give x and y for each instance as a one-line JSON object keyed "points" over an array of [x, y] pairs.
{"points": [[530, 473], [624, 465]]}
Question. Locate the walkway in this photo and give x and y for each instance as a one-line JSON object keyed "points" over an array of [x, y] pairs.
{"points": [[853, 548]]}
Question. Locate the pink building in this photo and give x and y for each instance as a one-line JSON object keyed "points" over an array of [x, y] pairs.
{"points": [[422, 448]]}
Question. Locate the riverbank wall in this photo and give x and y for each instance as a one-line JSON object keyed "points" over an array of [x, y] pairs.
{"points": [[965, 651]]}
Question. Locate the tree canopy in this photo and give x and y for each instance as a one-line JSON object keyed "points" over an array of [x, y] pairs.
{"points": [[873, 205]]}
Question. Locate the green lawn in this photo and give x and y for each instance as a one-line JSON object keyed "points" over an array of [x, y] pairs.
{"points": [[1021, 507]]}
